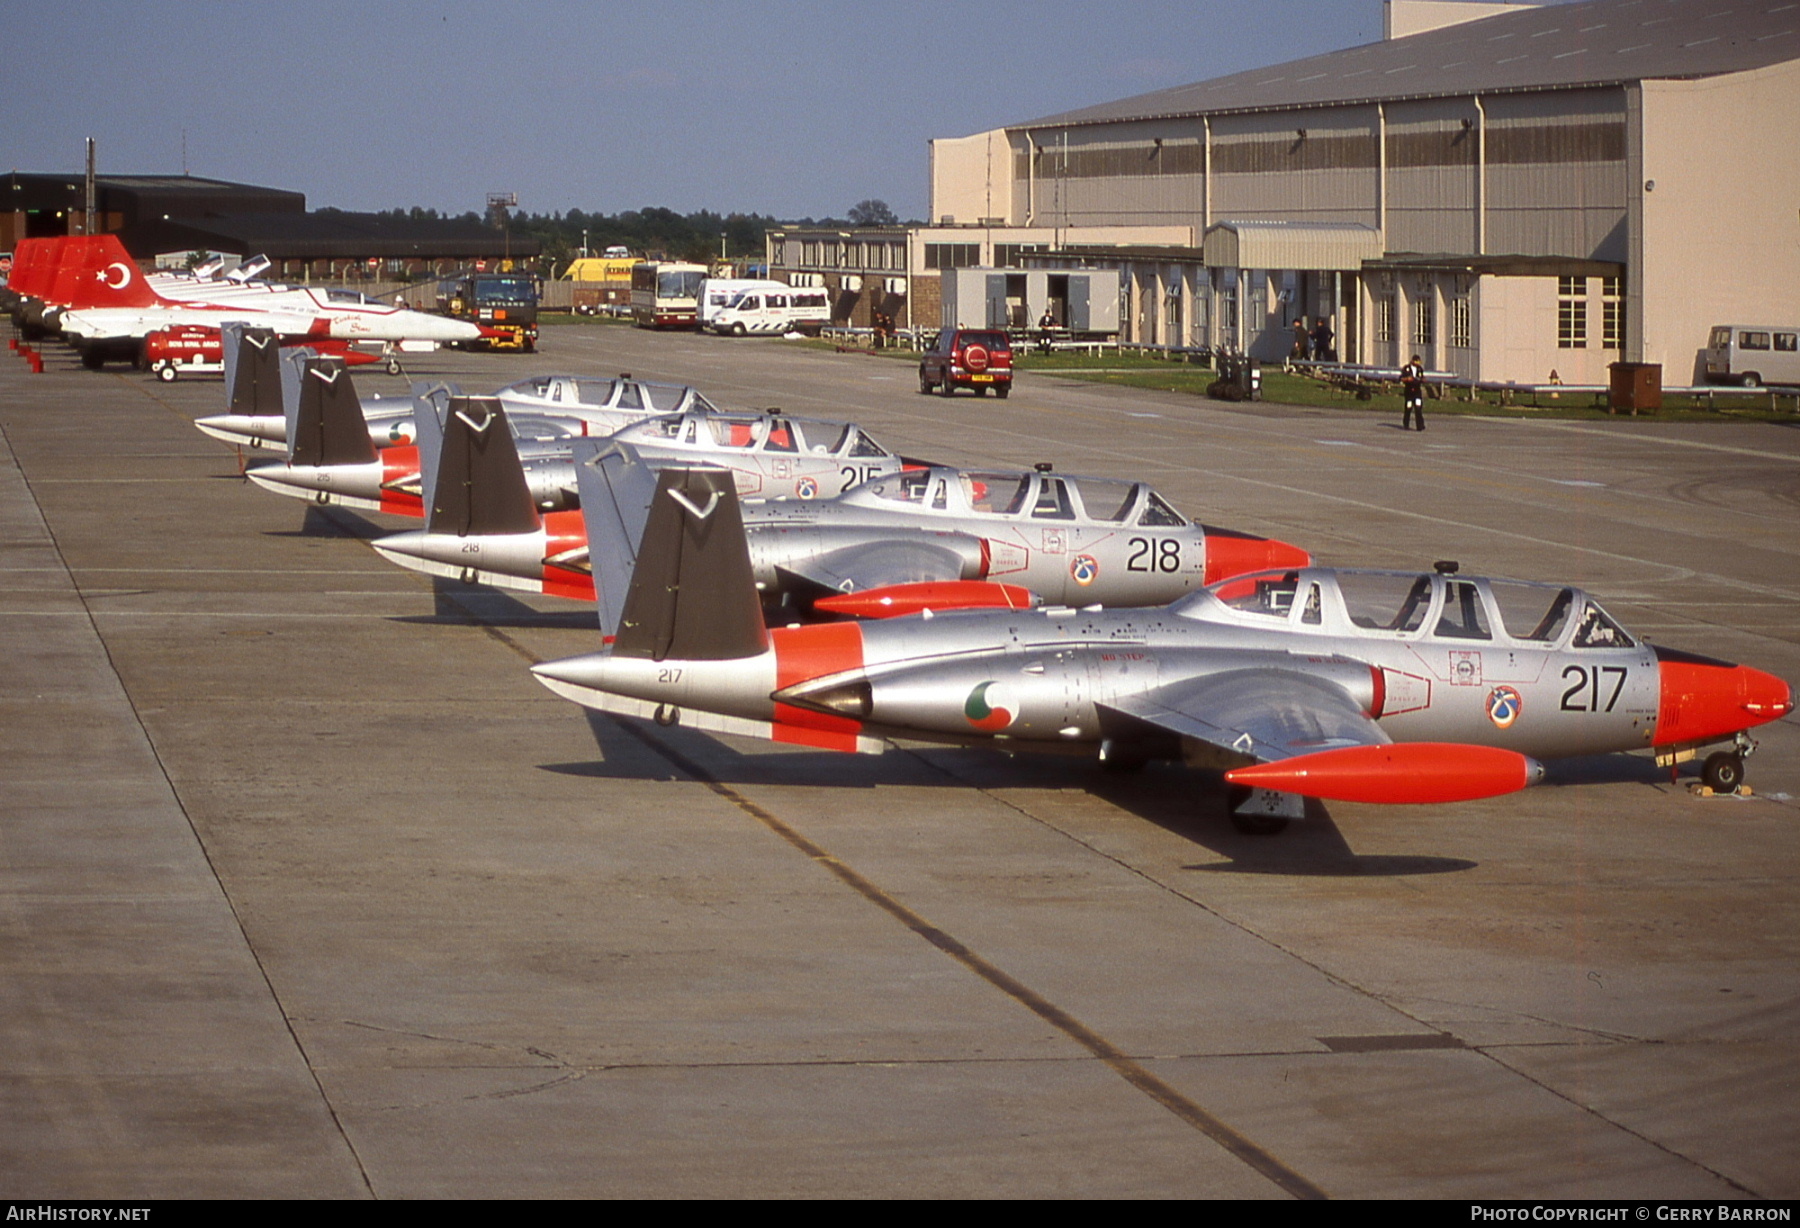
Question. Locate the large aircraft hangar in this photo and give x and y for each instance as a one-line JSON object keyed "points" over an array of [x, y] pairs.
{"points": [[1506, 190]]}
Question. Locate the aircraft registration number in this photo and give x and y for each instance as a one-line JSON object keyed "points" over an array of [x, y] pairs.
{"points": [[1154, 554], [1584, 692], [856, 475]]}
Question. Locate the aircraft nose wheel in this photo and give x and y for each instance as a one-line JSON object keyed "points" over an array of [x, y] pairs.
{"points": [[1723, 771]]}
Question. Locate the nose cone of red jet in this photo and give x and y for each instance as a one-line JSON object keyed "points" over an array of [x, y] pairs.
{"points": [[1704, 699], [1229, 554]]}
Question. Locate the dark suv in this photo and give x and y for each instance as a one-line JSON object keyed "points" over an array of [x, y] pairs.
{"points": [[977, 358]]}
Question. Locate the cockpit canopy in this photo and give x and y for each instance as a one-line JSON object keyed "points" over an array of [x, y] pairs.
{"points": [[1026, 496], [774, 433], [1410, 605], [578, 392]]}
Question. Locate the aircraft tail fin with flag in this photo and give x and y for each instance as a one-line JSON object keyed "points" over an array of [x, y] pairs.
{"points": [[109, 277]]}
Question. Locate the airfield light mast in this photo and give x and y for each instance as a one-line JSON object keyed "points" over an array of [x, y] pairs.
{"points": [[498, 203]]}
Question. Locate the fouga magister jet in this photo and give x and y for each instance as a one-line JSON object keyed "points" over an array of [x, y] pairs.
{"points": [[333, 458], [933, 538], [543, 407], [1382, 687]]}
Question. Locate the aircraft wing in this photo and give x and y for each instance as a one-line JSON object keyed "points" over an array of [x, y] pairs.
{"points": [[1290, 732], [1257, 715], [852, 569]]}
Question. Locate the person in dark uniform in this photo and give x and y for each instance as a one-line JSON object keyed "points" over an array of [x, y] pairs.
{"points": [[1322, 337], [1412, 391]]}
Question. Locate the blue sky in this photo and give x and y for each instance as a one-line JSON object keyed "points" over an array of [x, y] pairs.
{"points": [[778, 107]]}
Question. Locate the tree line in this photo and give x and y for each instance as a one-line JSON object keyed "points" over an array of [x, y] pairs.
{"points": [[653, 232]]}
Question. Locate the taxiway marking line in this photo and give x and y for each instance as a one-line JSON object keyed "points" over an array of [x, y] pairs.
{"points": [[1116, 1060], [1110, 1055]]}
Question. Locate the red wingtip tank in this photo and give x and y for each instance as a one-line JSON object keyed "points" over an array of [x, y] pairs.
{"points": [[1399, 773]]}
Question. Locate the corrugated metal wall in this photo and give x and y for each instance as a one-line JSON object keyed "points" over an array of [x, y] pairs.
{"points": [[1113, 175], [1555, 175], [1431, 179], [1263, 168]]}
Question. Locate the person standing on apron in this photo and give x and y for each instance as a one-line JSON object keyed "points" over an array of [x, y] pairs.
{"points": [[1412, 391]]}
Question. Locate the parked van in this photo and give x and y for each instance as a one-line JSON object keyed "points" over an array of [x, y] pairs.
{"points": [[805, 309], [718, 293], [1753, 355]]}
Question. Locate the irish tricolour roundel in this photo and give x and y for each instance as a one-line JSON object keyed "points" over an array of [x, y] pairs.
{"points": [[989, 707]]}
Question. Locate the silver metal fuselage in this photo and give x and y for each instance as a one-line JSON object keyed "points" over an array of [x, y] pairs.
{"points": [[1039, 679]]}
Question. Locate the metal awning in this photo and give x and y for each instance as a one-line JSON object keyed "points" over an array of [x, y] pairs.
{"points": [[1310, 246]]}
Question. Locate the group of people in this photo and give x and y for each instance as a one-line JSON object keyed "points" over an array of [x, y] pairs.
{"points": [[1314, 344]]}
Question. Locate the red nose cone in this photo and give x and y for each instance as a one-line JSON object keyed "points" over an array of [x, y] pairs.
{"points": [[1703, 699], [1231, 554]]}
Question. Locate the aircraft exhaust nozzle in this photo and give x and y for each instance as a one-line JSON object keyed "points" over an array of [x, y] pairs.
{"points": [[1407, 773], [354, 485], [1230, 553], [250, 430], [583, 671]]}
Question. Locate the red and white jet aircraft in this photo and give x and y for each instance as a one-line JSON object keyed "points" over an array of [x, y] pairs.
{"points": [[110, 306]]}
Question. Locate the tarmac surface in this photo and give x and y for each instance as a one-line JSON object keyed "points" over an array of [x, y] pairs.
{"points": [[308, 889]]}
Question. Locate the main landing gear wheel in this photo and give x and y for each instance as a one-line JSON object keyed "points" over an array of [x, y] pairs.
{"points": [[1723, 771]]}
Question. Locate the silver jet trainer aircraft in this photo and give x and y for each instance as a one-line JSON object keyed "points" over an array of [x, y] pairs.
{"points": [[932, 538], [797, 458], [543, 407], [1380, 687]]}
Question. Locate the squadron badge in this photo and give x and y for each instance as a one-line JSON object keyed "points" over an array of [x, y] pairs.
{"points": [[1503, 706]]}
